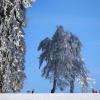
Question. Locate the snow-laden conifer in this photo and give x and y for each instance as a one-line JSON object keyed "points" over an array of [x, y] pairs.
{"points": [[12, 46]]}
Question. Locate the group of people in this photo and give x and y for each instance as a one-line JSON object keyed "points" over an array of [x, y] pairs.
{"points": [[95, 91]]}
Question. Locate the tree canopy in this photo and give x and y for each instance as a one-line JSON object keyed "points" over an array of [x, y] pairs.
{"points": [[62, 55], [12, 46]]}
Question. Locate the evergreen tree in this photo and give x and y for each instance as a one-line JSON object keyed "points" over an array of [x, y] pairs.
{"points": [[63, 59], [12, 46]]}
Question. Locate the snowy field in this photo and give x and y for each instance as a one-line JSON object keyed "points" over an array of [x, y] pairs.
{"points": [[55, 96]]}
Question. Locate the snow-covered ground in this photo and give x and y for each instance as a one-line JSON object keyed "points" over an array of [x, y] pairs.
{"points": [[56, 96]]}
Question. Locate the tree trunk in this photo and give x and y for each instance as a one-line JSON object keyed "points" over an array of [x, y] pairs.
{"points": [[0, 87], [71, 86], [54, 86]]}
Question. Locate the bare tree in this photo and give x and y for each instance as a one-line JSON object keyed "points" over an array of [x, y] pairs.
{"points": [[63, 59]]}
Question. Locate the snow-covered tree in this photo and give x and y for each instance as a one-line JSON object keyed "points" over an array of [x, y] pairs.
{"points": [[63, 61], [12, 46]]}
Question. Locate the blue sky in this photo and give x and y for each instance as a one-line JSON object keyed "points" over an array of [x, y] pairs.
{"points": [[82, 17]]}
